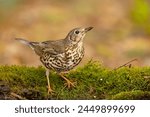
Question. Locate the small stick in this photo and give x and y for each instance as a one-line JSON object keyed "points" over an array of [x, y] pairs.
{"points": [[17, 96], [126, 64], [146, 76]]}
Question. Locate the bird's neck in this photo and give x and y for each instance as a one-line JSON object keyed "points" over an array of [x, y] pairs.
{"points": [[75, 46]]}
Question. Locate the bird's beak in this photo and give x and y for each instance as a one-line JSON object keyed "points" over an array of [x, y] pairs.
{"points": [[88, 29]]}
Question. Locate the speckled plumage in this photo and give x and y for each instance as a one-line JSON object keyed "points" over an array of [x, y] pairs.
{"points": [[60, 55], [65, 61]]}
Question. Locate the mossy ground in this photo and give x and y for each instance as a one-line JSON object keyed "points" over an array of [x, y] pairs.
{"points": [[93, 81]]}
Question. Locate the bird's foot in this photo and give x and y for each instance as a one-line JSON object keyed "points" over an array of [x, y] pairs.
{"points": [[70, 84], [50, 91]]}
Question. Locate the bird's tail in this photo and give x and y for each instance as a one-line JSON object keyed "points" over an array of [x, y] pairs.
{"points": [[26, 42], [23, 41]]}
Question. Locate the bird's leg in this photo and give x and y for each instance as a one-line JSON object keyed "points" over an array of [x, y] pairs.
{"points": [[47, 76], [69, 83]]}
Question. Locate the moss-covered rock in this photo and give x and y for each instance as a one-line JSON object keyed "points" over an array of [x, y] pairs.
{"points": [[93, 81]]}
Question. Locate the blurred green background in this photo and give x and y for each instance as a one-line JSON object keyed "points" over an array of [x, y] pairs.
{"points": [[121, 28]]}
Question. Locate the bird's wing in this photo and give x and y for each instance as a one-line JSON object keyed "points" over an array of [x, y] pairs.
{"points": [[51, 47]]}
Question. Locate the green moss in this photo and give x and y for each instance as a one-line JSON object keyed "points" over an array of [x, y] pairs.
{"points": [[93, 81], [132, 95]]}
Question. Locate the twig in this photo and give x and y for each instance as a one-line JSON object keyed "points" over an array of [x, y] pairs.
{"points": [[17, 96], [126, 64], [147, 76]]}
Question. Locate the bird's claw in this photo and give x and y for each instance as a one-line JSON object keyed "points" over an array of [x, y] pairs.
{"points": [[50, 91], [70, 84]]}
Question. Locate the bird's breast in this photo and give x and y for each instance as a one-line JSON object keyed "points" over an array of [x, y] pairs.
{"points": [[73, 56], [64, 61]]}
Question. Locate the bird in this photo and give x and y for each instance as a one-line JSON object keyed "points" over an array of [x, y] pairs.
{"points": [[60, 55]]}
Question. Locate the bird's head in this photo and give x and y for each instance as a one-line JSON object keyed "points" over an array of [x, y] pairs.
{"points": [[76, 35]]}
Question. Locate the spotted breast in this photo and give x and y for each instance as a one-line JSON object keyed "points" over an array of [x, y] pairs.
{"points": [[65, 61]]}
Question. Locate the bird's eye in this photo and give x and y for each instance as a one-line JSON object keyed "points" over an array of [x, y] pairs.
{"points": [[77, 32]]}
